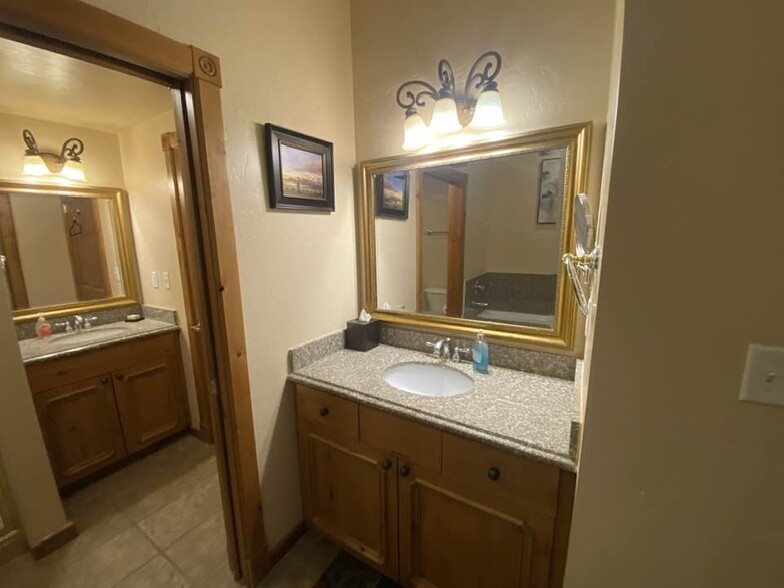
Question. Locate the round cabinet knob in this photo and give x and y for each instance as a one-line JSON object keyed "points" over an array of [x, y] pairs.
{"points": [[324, 411], [386, 464], [494, 474], [104, 380], [404, 471], [120, 376]]}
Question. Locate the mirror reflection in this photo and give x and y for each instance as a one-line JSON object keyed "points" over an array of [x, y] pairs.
{"points": [[479, 240], [60, 249]]}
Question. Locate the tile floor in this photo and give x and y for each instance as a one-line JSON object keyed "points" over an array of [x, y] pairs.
{"points": [[156, 523]]}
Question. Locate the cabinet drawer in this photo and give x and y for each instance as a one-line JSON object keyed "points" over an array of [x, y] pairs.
{"points": [[332, 416], [523, 480], [419, 443], [74, 368]]}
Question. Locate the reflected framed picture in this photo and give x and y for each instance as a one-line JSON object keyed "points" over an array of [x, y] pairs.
{"points": [[392, 195], [300, 173], [550, 192]]}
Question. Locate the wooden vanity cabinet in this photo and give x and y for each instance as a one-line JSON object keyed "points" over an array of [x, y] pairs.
{"points": [[97, 407], [349, 490], [81, 428], [455, 513]]}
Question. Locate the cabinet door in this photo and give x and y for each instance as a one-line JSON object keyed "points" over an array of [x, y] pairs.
{"points": [[151, 400], [81, 428], [455, 536], [350, 495]]}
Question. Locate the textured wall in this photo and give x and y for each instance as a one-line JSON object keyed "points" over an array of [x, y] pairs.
{"points": [[680, 483], [288, 63]]}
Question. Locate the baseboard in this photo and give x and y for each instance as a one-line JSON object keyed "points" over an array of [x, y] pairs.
{"points": [[12, 545], [54, 541], [284, 546]]}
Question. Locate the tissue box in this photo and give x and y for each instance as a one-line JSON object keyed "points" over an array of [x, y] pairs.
{"points": [[363, 336]]}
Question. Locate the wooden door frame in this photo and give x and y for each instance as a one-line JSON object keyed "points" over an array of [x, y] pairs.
{"points": [[107, 285], [195, 321], [457, 183], [13, 261], [95, 35]]}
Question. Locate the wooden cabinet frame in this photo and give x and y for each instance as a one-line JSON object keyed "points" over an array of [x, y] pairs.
{"points": [[91, 34]]}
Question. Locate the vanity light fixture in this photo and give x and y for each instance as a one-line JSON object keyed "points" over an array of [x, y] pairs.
{"points": [[67, 164], [478, 107]]}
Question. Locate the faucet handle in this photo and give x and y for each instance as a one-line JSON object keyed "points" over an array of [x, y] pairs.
{"points": [[456, 353], [88, 322]]}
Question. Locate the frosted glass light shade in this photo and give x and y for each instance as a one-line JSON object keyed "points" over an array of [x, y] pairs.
{"points": [[34, 166], [488, 113], [445, 119], [73, 170], [415, 133]]}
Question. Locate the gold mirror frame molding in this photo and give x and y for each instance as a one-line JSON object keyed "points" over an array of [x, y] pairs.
{"points": [[127, 251], [577, 139]]}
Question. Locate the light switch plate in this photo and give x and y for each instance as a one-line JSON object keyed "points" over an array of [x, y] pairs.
{"points": [[763, 380], [166, 281], [154, 279]]}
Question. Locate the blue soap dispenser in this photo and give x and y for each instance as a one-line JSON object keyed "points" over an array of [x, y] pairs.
{"points": [[481, 354]]}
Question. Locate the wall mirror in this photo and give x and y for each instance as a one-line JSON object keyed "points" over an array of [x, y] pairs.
{"points": [[65, 249], [473, 238]]}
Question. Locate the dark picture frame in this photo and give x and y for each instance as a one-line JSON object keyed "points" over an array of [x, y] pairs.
{"points": [[300, 173], [392, 195]]}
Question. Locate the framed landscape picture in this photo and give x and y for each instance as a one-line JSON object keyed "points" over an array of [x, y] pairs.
{"points": [[392, 195], [299, 170]]}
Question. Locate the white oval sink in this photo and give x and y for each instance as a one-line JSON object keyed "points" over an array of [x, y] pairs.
{"points": [[428, 379], [95, 334]]}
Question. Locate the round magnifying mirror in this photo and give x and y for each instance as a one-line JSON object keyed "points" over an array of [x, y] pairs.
{"points": [[583, 225]]}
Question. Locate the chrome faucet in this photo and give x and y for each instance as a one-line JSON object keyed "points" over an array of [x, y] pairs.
{"points": [[80, 324], [445, 349]]}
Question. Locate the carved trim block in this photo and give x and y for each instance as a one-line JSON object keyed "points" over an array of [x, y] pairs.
{"points": [[206, 66]]}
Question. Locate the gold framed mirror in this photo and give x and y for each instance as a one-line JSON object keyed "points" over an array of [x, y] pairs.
{"points": [[472, 238], [66, 249]]}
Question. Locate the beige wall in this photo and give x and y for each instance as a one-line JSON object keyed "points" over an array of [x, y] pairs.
{"points": [[556, 62], [515, 243], [149, 196], [25, 461], [396, 256], [288, 63], [101, 150], [680, 483], [43, 249]]}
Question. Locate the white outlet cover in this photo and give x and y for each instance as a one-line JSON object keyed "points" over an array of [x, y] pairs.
{"points": [[154, 279], [763, 380], [166, 281]]}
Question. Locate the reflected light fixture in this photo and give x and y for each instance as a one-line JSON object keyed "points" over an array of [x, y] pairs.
{"points": [[479, 106], [67, 164]]}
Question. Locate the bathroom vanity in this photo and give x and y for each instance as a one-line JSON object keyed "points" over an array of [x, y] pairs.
{"points": [[110, 395], [469, 490]]}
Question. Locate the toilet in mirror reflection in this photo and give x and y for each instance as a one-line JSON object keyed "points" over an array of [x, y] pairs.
{"points": [[482, 239]]}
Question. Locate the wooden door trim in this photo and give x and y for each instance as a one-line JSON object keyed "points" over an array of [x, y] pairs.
{"points": [[196, 323], [13, 266], [99, 36], [456, 206]]}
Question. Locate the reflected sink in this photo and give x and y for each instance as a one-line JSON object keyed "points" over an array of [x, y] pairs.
{"points": [[428, 379], [94, 334]]}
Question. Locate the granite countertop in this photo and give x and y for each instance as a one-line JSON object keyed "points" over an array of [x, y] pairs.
{"points": [[528, 414], [63, 345]]}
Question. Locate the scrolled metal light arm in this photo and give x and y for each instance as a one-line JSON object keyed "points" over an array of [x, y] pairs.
{"points": [[481, 77]]}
